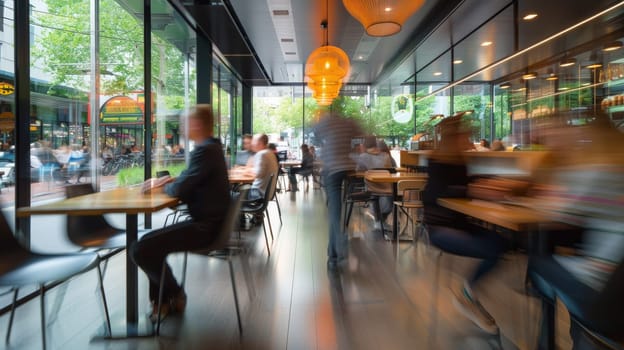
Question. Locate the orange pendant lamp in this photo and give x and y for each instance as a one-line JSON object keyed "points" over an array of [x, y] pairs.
{"points": [[382, 17], [325, 70]]}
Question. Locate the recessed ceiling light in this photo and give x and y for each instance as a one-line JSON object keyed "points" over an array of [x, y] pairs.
{"points": [[520, 89], [486, 43], [388, 9], [568, 62], [458, 62], [593, 65], [529, 76], [612, 46], [552, 76], [530, 16], [360, 57], [505, 85], [437, 74]]}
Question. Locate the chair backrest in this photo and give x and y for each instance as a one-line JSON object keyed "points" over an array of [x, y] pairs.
{"points": [[380, 188], [231, 217], [282, 155], [269, 192], [81, 228], [411, 190]]}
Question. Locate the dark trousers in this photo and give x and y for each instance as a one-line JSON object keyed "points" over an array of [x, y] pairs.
{"points": [[553, 281], [338, 246], [292, 175], [477, 243], [150, 252]]}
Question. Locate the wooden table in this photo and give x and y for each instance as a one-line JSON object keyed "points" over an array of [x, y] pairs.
{"points": [[515, 218], [130, 201], [394, 179], [240, 178]]}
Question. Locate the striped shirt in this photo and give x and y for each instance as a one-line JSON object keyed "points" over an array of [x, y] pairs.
{"points": [[336, 133]]}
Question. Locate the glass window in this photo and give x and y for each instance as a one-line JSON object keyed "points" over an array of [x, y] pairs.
{"points": [[173, 88], [7, 103]]}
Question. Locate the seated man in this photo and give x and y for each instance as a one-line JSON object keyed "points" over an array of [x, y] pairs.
{"points": [[373, 158], [264, 165], [204, 187], [307, 165]]}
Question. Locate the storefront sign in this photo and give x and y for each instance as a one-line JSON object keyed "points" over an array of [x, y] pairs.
{"points": [[6, 88], [121, 110]]}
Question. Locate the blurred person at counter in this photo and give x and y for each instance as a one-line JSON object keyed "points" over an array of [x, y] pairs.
{"points": [[483, 146], [336, 132], [450, 230], [497, 145], [584, 190]]}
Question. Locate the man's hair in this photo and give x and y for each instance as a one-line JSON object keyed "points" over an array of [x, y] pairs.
{"points": [[247, 136], [370, 141], [272, 146], [264, 139], [203, 113]]}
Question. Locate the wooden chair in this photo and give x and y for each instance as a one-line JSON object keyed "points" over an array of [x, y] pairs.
{"points": [[410, 191]]}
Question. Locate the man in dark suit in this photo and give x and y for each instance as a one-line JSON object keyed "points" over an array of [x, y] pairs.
{"points": [[204, 187]]}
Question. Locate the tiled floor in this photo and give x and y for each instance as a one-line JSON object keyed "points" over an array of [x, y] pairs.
{"points": [[381, 301]]}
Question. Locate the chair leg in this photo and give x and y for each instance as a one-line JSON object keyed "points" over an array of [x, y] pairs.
{"points": [[266, 212], [43, 322], [233, 280], [279, 210], [349, 211], [266, 238], [161, 286], [13, 307], [434, 304], [184, 270], [101, 280]]}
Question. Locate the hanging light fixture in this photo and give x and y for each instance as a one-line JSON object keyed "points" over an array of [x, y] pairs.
{"points": [[382, 17], [325, 69]]}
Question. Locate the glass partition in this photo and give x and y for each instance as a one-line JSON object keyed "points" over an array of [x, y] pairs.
{"points": [[173, 90]]}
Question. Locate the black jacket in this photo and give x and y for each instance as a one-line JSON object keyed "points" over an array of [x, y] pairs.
{"points": [[204, 185]]}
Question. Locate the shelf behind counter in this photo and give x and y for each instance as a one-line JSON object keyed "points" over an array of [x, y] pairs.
{"points": [[504, 163]]}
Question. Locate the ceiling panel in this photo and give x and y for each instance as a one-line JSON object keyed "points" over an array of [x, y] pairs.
{"points": [[472, 14]]}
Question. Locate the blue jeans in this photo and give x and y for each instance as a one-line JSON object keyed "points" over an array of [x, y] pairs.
{"points": [[338, 247], [478, 243]]}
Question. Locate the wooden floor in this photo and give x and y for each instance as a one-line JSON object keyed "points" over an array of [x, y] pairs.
{"points": [[380, 301]]}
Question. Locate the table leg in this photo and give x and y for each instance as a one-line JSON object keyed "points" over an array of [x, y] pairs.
{"points": [[132, 292], [133, 327]]}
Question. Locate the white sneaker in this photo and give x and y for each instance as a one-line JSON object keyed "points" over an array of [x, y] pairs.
{"points": [[474, 311]]}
